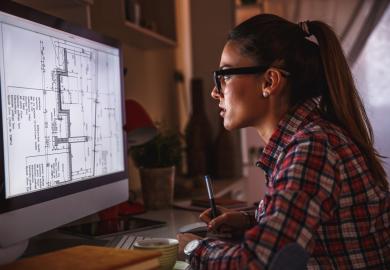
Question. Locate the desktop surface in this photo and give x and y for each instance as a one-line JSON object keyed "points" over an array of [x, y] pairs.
{"points": [[55, 239]]}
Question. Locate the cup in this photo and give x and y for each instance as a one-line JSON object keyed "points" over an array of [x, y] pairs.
{"points": [[168, 248]]}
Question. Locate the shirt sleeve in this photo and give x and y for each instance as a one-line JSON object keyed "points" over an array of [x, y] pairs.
{"points": [[303, 193]]}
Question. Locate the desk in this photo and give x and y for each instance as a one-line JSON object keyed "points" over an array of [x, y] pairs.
{"points": [[54, 240], [175, 219]]}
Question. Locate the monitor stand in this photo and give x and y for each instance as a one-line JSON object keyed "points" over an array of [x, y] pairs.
{"points": [[11, 253]]}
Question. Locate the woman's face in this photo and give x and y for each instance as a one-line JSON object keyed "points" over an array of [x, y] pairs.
{"points": [[241, 101]]}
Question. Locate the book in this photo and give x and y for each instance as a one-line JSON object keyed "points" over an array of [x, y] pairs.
{"points": [[221, 201], [89, 258]]}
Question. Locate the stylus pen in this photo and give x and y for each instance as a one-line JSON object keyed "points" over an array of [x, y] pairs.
{"points": [[210, 192]]}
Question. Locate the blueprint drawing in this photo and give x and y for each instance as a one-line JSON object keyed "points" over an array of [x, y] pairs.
{"points": [[63, 115]]}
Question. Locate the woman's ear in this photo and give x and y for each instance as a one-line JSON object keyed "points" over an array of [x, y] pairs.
{"points": [[273, 82]]}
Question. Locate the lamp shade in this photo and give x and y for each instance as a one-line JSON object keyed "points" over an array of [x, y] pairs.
{"points": [[139, 126]]}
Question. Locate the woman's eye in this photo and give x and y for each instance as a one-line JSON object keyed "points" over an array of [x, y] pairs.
{"points": [[226, 77]]}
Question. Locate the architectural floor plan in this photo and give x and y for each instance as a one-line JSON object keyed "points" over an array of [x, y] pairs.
{"points": [[63, 117]]}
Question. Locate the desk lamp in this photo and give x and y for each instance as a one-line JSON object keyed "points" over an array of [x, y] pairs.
{"points": [[140, 129]]}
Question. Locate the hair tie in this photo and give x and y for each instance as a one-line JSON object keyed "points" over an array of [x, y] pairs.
{"points": [[305, 28], [306, 32]]}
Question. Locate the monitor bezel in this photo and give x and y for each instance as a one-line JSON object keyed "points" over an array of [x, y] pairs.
{"points": [[36, 197]]}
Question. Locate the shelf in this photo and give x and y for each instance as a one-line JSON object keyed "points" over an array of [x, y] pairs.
{"points": [[252, 6], [54, 4], [74, 11], [110, 19], [144, 38]]}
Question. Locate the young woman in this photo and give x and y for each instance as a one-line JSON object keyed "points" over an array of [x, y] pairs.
{"points": [[327, 190]]}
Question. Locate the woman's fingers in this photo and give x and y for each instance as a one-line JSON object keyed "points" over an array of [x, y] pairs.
{"points": [[217, 222], [205, 216], [224, 223], [227, 222], [223, 209]]}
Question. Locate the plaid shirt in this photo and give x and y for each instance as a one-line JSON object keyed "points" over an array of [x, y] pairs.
{"points": [[320, 195]]}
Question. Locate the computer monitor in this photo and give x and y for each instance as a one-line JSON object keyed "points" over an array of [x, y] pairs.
{"points": [[63, 148]]}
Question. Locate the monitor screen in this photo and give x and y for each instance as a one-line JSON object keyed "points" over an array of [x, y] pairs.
{"points": [[61, 107], [62, 116]]}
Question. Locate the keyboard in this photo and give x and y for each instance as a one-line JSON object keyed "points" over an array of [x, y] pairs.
{"points": [[125, 241]]}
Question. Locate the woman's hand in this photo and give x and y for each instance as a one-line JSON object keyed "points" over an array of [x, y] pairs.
{"points": [[228, 221], [184, 239]]}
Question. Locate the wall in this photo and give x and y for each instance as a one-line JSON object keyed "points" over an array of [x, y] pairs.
{"points": [[211, 22], [150, 81]]}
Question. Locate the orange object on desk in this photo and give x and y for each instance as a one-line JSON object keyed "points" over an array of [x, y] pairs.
{"points": [[122, 209], [89, 258]]}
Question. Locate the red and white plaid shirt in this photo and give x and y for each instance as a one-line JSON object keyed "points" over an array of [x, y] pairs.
{"points": [[320, 195]]}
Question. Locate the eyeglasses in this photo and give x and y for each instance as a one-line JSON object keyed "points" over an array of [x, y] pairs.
{"points": [[218, 74]]}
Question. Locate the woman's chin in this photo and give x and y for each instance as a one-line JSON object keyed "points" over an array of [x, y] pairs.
{"points": [[228, 125]]}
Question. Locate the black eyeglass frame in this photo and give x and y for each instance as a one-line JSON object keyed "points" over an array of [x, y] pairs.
{"points": [[239, 71]]}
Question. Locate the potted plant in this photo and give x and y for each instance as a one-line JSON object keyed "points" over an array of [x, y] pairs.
{"points": [[156, 161]]}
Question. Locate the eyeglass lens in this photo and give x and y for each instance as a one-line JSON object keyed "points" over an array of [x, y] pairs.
{"points": [[218, 74]]}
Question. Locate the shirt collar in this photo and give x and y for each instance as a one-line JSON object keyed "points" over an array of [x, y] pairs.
{"points": [[284, 132]]}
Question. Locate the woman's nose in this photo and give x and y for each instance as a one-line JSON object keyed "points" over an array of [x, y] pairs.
{"points": [[215, 94]]}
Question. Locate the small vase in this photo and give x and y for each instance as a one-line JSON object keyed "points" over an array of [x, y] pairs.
{"points": [[157, 187], [198, 134], [225, 153]]}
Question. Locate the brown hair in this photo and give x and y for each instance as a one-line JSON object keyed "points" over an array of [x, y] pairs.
{"points": [[316, 71]]}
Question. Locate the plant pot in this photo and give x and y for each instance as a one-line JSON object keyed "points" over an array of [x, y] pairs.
{"points": [[157, 187]]}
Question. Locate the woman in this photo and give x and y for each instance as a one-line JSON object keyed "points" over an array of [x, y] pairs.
{"points": [[327, 190]]}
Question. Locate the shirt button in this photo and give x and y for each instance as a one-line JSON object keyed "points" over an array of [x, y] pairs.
{"points": [[258, 164]]}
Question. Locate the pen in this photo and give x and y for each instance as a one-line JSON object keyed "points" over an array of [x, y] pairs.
{"points": [[210, 192]]}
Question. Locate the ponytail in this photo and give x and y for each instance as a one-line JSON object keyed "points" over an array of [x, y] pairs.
{"points": [[341, 101]]}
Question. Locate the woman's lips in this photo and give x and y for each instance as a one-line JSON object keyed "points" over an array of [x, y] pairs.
{"points": [[222, 112]]}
